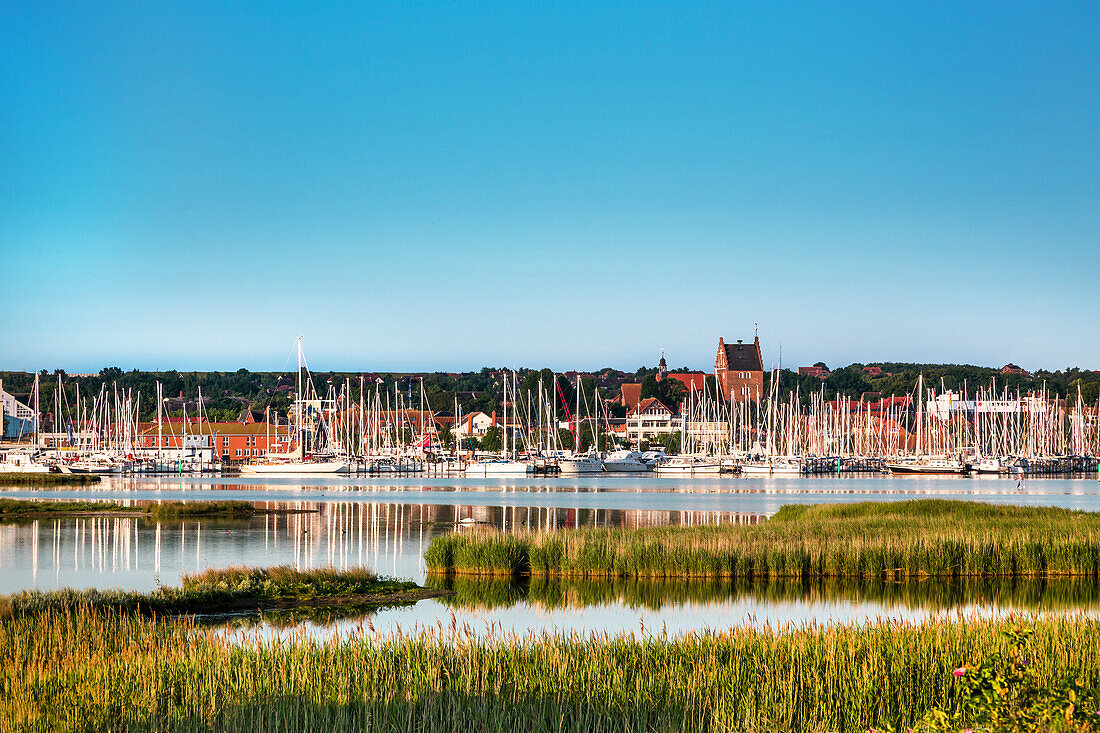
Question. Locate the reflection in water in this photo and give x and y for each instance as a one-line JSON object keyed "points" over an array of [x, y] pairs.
{"points": [[390, 538], [929, 594], [387, 525]]}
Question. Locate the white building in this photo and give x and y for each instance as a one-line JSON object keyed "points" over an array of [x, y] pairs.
{"points": [[17, 420], [649, 419], [474, 425]]}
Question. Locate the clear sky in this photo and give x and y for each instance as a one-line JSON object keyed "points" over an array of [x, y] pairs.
{"points": [[422, 186]]}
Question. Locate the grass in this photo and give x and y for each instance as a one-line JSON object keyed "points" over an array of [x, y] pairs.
{"points": [[553, 592], [926, 538], [81, 671], [155, 510], [228, 589], [47, 479]]}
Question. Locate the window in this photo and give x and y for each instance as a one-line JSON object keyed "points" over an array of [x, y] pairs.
{"points": [[238, 453]]}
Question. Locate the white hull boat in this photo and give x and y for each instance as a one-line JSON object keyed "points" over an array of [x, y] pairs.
{"points": [[623, 461], [294, 468], [773, 467], [499, 468], [574, 465], [689, 466]]}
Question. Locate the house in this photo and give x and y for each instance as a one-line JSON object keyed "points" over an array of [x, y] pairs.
{"points": [[474, 424], [1013, 369], [248, 417], [739, 369], [648, 419], [820, 372], [872, 371], [630, 394]]}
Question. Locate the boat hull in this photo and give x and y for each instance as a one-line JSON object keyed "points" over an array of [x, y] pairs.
{"points": [[294, 469]]}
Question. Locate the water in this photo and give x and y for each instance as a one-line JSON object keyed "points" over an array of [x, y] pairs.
{"points": [[387, 524]]}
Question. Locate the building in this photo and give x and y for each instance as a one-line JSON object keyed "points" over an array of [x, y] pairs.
{"points": [[20, 422], [630, 394], [649, 419], [474, 424], [872, 371], [229, 440], [739, 369], [1013, 369], [820, 372]]}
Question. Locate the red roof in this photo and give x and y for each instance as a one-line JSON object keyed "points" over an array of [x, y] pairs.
{"points": [[692, 380], [631, 394], [651, 402]]}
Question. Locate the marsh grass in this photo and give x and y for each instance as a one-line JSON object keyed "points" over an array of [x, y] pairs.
{"points": [[925, 538], [225, 589], [162, 510], [77, 670], [48, 479], [554, 592]]}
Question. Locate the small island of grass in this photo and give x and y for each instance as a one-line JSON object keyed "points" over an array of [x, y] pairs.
{"points": [[32, 509], [232, 589]]}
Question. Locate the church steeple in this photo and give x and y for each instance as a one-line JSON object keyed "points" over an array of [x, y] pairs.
{"points": [[662, 367]]}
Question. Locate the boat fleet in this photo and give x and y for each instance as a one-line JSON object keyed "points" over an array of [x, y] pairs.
{"points": [[928, 432]]}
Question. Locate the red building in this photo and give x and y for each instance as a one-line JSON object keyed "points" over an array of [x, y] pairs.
{"points": [[740, 370], [232, 440], [814, 371]]}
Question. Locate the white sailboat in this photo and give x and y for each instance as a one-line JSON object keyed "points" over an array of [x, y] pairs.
{"points": [[294, 463]]}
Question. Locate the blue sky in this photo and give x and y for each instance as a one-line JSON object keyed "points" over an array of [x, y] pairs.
{"points": [[444, 186]]}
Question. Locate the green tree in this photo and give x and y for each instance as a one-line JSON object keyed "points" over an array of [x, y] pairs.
{"points": [[493, 440]]}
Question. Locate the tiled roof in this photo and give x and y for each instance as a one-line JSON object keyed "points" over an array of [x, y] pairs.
{"points": [[743, 358]]}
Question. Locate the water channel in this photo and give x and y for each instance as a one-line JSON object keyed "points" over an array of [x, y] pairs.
{"points": [[387, 524]]}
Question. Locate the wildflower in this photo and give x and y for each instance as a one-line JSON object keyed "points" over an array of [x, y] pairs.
{"points": [[959, 673]]}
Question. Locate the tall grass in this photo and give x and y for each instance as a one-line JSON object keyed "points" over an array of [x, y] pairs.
{"points": [[224, 589], [928, 538], [552, 592], [79, 671], [156, 510]]}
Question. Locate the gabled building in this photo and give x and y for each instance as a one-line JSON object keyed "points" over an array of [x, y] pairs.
{"points": [[739, 369], [650, 418]]}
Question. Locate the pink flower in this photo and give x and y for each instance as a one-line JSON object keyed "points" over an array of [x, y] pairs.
{"points": [[959, 673]]}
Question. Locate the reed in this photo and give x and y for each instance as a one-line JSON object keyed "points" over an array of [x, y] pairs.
{"points": [[16, 508], [29, 507], [552, 592], [14, 478], [926, 538], [227, 589], [82, 671]]}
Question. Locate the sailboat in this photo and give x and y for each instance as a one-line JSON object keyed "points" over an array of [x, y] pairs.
{"points": [[295, 463]]}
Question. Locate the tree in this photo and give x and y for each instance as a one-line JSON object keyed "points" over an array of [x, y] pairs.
{"points": [[446, 437], [493, 439]]}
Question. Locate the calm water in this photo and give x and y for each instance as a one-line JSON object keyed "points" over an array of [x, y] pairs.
{"points": [[386, 525]]}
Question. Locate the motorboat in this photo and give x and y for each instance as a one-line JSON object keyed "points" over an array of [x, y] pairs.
{"points": [[570, 465], [21, 462], [625, 461], [689, 466], [929, 465]]}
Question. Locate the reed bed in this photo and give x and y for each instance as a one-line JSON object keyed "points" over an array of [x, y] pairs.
{"points": [[912, 539], [19, 508], [47, 479], [551, 592], [225, 589], [82, 671]]}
